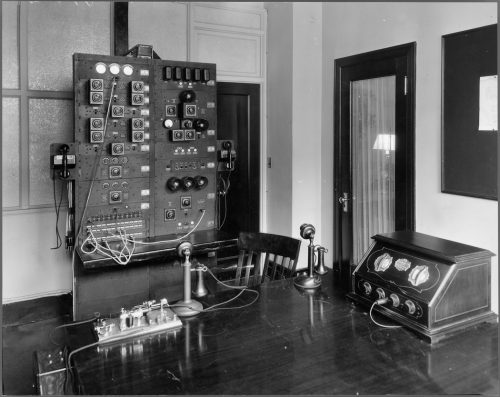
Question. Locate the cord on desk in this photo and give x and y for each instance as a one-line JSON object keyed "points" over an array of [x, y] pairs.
{"points": [[51, 332], [216, 307], [380, 302], [69, 370]]}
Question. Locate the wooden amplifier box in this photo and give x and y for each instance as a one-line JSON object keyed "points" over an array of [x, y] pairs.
{"points": [[434, 287]]}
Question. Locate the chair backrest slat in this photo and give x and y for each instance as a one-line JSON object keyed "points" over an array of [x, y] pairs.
{"points": [[280, 257], [248, 266]]}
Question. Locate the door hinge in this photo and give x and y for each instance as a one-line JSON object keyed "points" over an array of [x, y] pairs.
{"points": [[406, 85]]}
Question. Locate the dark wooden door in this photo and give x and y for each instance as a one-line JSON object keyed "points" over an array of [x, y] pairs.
{"points": [[238, 119], [374, 155]]}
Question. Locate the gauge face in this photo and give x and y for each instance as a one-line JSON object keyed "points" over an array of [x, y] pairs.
{"points": [[127, 70], [114, 68], [100, 68]]}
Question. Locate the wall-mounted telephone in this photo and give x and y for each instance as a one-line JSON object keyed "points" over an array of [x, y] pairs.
{"points": [[226, 155], [62, 158]]}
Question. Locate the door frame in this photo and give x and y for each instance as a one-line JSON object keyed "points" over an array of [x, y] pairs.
{"points": [[406, 177], [253, 91]]}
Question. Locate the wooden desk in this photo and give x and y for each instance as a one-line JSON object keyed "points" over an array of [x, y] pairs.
{"points": [[101, 285], [289, 342]]}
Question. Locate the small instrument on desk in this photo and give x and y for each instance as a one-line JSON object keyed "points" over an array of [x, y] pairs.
{"points": [[309, 280], [150, 317], [432, 286], [187, 307]]}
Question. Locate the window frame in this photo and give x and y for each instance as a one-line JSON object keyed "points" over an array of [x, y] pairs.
{"points": [[24, 94]]}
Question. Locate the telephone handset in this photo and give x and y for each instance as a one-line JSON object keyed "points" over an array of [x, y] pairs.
{"points": [[226, 155]]}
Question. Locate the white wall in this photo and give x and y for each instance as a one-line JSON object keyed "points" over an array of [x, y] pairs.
{"points": [[307, 86], [353, 28], [294, 118], [279, 117], [30, 268]]}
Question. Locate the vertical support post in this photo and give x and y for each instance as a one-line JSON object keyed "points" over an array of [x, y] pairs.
{"points": [[120, 28]]}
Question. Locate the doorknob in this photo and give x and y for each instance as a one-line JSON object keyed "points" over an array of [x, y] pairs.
{"points": [[343, 200]]}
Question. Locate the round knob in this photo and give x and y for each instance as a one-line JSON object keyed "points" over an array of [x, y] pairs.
{"points": [[380, 292], [395, 300], [168, 123], [200, 125], [200, 182], [173, 184], [115, 171], [115, 196], [187, 183], [187, 96], [367, 287], [410, 306]]}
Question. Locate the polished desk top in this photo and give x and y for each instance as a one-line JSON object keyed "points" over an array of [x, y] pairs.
{"points": [[291, 342]]}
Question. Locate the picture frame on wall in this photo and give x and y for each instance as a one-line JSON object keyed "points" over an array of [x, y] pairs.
{"points": [[470, 113]]}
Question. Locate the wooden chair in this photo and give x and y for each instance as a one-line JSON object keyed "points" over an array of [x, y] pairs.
{"points": [[280, 255]]}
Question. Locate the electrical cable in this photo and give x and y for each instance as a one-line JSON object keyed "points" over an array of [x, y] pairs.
{"points": [[124, 256], [57, 209], [216, 307], [203, 211], [224, 193], [51, 332], [69, 371], [377, 302]]}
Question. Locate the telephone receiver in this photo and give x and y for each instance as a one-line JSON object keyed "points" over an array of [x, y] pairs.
{"points": [[226, 155], [64, 173], [227, 145], [307, 231]]}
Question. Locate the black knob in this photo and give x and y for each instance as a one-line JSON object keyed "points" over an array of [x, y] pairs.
{"points": [[200, 182], [187, 96], [173, 184], [200, 125], [187, 183]]}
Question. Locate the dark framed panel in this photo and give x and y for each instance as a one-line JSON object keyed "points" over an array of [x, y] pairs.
{"points": [[469, 153]]}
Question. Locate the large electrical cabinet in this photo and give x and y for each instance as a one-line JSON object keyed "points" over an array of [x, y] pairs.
{"points": [[145, 132], [142, 176]]}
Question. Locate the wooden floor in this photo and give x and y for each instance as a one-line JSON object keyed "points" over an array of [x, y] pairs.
{"points": [[25, 329]]}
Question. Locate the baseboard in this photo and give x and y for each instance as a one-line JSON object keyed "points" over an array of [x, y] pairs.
{"points": [[38, 309]]}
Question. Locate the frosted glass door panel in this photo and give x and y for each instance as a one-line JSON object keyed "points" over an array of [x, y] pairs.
{"points": [[373, 110], [10, 45], [50, 121], [81, 26], [10, 152]]}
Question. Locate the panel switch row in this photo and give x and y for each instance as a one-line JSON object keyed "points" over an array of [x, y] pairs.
{"points": [[178, 73]]}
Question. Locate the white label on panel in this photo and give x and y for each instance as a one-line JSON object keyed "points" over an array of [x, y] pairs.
{"points": [[488, 103]]}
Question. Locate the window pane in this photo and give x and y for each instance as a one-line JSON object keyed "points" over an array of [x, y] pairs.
{"points": [[81, 27], [50, 121], [373, 126], [10, 152], [10, 45]]}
